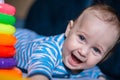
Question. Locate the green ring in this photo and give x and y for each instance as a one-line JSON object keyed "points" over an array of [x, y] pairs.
{"points": [[7, 19]]}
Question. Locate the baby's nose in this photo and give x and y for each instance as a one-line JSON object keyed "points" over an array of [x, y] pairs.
{"points": [[83, 54], [83, 51]]}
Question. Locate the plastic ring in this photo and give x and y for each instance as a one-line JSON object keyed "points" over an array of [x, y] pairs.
{"points": [[7, 51], [7, 19], [6, 63], [7, 29], [7, 40], [7, 9], [11, 72]]}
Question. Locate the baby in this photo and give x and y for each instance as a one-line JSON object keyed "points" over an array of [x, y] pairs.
{"points": [[86, 42]]}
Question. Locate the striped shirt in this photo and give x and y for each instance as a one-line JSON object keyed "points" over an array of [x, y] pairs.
{"points": [[42, 55]]}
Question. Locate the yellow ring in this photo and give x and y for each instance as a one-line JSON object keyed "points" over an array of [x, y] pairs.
{"points": [[16, 72], [7, 29]]}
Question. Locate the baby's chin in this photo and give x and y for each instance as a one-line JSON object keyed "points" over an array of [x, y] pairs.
{"points": [[74, 70]]}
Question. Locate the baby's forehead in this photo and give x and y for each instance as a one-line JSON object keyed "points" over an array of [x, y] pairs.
{"points": [[105, 15], [102, 12], [86, 16], [99, 14]]}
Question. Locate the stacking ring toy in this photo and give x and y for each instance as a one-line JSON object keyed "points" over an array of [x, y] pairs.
{"points": [[7, 51], [8, 77], [6, 63], [7, 19], [7, 9], [7, 29], [7, 40], [11, 72]]}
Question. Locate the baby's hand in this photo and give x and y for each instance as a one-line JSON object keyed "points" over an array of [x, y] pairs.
{"points": [[38, 77], [101, 78]]}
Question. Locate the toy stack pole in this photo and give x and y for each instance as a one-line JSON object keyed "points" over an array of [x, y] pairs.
{"points": [[7, 42]]}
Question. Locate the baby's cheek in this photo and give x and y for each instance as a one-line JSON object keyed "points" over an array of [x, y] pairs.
{"points": [[92, 62]]}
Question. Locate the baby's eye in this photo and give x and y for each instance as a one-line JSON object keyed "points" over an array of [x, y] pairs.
{"points": [[96, 50], [82, 38]]}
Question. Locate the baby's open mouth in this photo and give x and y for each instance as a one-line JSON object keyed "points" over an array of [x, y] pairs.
{"points": [[75, 60]]}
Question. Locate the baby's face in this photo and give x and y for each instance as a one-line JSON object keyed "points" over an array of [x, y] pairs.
{"points": [[87, 42]]}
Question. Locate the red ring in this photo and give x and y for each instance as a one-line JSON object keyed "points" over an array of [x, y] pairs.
{"points": [[7, 9], [7, 51]]}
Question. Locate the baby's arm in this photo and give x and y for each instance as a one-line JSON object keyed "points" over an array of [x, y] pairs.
{"points": [[38, 77], [42, 61]]}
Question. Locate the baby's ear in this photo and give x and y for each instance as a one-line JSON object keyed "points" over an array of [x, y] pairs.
{"points": [[69, 27]]}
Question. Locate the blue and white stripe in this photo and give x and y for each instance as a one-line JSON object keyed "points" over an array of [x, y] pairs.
{"points": [[42, 55]]}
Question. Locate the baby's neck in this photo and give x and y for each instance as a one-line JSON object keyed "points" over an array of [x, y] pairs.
{"points": [[76, 71]]}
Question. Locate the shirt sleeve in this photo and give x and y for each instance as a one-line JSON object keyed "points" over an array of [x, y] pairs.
{"points": [[96, 72], [42, 60]]}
